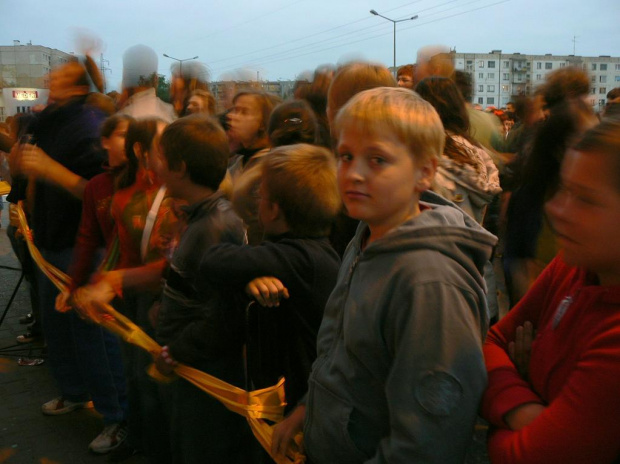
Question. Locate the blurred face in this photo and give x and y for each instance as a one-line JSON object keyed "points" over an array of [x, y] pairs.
{"points": [[508, 125], [62, 81], [245, 120], [405, 81], [196, 105], [510, 107], [115, 144], [585, 213], [378, 180]]}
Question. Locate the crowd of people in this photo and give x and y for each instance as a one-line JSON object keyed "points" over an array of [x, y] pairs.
{"points": [[346, 239]]}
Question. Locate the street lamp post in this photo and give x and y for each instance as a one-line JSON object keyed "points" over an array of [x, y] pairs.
{"points": [[181, 61], [394, 21]]}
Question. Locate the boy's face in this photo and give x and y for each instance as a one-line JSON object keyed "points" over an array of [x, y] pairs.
{"points": [[585, 213], [379, 181]]}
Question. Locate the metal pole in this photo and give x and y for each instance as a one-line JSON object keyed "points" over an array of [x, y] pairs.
{"points": [[394, 47]]}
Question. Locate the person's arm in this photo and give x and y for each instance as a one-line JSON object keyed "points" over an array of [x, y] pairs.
{"points": [[507, 389], [581, 424], [37, 164], [89, 240], [437, 374], [236, 265]]}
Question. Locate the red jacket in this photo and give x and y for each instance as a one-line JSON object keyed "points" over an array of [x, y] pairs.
{"points": [[574, 371]]}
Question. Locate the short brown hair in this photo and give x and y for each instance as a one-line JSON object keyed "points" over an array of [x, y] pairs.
{"points": [[397, 111], [301, 179], [200, 143], [354, 78], [604, 139]]}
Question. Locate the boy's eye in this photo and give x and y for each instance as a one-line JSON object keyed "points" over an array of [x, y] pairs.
{"points": [[344, 157], [378, 160]]}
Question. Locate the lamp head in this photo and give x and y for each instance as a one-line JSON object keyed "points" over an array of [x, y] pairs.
{"points": [[374, 12]]}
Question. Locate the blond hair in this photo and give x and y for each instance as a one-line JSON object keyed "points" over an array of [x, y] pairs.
{"points": [[301, 179], [397, 111]]}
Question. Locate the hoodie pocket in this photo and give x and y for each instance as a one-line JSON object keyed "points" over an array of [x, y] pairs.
{"points": [[326, 434]]}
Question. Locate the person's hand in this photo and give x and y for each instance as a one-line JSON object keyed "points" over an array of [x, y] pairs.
{"points": [[284, 433], [62, 302], [34, 162], [523, 415], [268, 291], [520, 350], [165, 363]]}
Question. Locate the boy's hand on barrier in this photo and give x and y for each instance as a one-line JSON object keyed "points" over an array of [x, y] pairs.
{"points": [[520, 350], [284, 433], [165, 363], [268, 291]]}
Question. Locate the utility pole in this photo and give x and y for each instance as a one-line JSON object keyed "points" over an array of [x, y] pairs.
{"points": [[574, 43], [103, 68]]}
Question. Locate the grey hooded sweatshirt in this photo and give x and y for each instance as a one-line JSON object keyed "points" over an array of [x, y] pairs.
{"points": [[400, 370]]}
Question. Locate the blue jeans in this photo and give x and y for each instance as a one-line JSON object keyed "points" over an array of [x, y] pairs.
{"points": [[85, 359]]}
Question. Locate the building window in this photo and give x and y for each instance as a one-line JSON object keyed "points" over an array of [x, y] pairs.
{"points": [[593, 66], [490, 100], [602, 90], [539, 77], [490, 88], [548, 65], [562, 65], [601, 102], [593, 79], [506, 64], [618, 67], [506, 88], [506, 76], [602, 79], [603, 67], [491, 64], [480, 100], [480, 75], [617, 78], [481, 64], [491, 75], [538, 65], [481, 88], [593, 91]]}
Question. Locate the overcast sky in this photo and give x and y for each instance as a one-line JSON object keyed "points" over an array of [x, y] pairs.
{"points": [[282, 38]]}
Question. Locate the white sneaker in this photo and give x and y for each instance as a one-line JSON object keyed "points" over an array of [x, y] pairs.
{"points": [[59, 406], [110, 438]]}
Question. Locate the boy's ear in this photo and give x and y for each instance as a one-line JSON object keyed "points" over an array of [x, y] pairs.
{"points": [[426, 174]]}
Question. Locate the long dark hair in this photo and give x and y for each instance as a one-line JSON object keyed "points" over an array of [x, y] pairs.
{"points": [[141, 132], [444, 95]]}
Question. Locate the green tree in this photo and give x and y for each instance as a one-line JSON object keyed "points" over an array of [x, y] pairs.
{"points": [[163, 88]]}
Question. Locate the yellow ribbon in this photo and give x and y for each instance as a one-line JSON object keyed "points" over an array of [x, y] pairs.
{"points": [[256, 406]]}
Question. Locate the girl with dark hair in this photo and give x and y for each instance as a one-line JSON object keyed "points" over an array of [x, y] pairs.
{"points": [[466, 173], [553, 362], [530, 244], [292, 122]]}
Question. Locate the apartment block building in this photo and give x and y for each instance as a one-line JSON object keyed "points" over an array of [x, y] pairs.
{"points": [[499, 76], [24, 71]]}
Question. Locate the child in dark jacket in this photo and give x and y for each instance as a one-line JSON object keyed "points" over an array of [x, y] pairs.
{"points": [[298, 202], [199, 323]]}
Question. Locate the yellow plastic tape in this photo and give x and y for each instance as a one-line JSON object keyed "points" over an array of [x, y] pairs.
{"points": [[256, 406]]}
